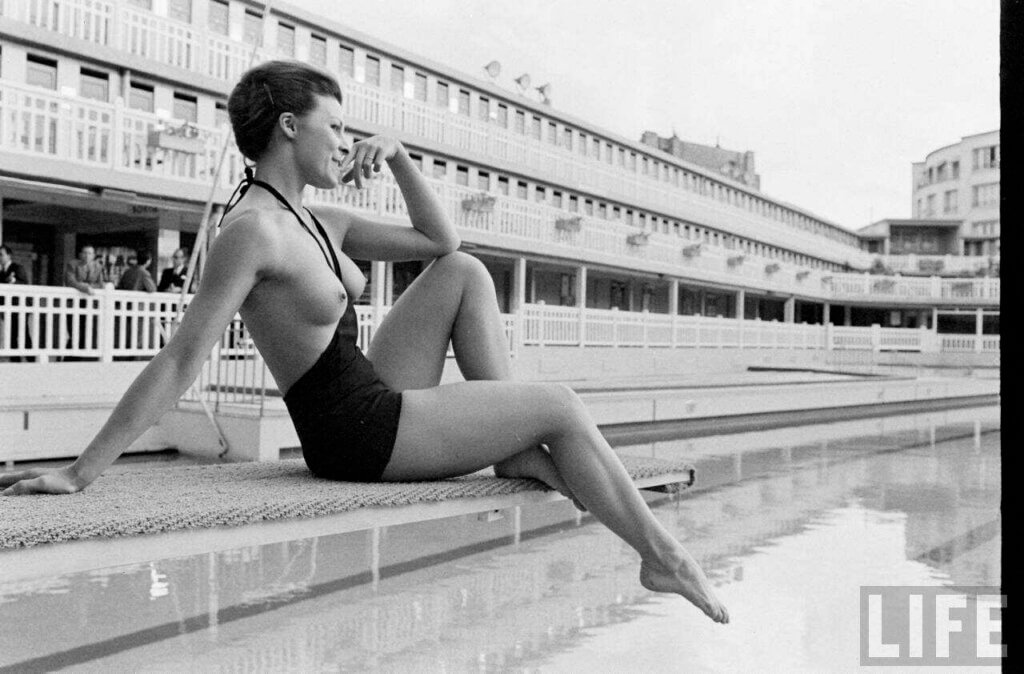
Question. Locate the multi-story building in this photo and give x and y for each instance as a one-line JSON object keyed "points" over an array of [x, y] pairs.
{"points": [[736, 165], [961, 182], [113, 122]]}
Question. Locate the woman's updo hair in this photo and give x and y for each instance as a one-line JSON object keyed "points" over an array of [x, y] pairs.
{"points": [[267, 91]]}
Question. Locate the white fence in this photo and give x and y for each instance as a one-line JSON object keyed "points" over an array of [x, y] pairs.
{"points": [[49, 322], [55, 323]]}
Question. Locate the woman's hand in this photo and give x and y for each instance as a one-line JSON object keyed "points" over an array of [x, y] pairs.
{"points": [[39, 481], [366, 157]]}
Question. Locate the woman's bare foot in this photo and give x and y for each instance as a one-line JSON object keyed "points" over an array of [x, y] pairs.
{"points": [[536, 463], [686, 579]]}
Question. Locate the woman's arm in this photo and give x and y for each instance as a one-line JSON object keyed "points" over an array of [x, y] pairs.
{"points": [[367, 238], [235, 265]]}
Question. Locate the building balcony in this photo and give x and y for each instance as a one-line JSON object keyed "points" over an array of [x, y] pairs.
{"points": [[938, 265], [195, 50]]}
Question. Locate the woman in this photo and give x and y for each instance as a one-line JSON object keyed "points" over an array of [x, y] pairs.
{"points": [[289, 272]]}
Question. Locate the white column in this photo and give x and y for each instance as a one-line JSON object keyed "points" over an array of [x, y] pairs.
{"points": [[826, 314], [378, 287], [741, 307], [581, 301], [673, 305], [388, 284], [846, 314], [978, 322], [789, 310], [518, 284]]}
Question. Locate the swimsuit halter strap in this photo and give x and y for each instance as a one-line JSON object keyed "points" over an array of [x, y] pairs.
{"points": [[250, 180]]}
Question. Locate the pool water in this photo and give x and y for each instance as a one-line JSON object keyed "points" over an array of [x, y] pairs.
{"points": [[789, 524]]}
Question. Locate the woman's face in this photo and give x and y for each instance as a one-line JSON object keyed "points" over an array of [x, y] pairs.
{"points": [[321, 144]]}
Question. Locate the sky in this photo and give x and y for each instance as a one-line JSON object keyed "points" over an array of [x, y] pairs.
{"points": [[836, 98]]}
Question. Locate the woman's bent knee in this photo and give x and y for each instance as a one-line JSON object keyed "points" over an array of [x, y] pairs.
{"points": [[464, 265]]}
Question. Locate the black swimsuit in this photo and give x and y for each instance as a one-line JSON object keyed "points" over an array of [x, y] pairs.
{"points": [[345, 416]]}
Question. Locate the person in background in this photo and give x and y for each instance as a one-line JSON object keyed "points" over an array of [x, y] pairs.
{"points": [[137, 276], [173, 278], [85, 273], [11, 271]]}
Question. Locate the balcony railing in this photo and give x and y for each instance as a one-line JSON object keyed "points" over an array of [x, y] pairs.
{"points": [[117, 24], [46, 322], [938, 264]]}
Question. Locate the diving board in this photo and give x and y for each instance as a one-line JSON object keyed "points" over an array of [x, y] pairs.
{"points": [[158, 512]]}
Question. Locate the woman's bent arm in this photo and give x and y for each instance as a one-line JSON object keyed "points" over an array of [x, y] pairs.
{"points": [[234, 267], [365, 238]]}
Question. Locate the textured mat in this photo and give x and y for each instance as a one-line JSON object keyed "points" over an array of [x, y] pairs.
{"points": [[183, 497]]}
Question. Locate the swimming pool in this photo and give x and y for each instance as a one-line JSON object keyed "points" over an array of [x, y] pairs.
{"points": [[789, 524]]}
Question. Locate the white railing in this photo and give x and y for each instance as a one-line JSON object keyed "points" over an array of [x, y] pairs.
{"points": [[49, 322], [968, 343], [935, 264], [101, 135]]}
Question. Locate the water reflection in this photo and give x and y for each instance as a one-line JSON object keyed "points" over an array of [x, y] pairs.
{"points": [[789, 528]]}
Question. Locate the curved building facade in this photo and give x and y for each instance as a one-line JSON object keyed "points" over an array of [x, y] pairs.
{"points": [[961, 182]]}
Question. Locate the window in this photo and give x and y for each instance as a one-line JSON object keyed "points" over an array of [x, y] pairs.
{"points": [[949, 200], [419, 87], [956, 170], [556, 199], [567, 138], [318, 50], [398, 80], [502, 117], [588, 207], [373, 71], [521, 190], [217, 17], [140, 97], [582, 144], [286, 39], [535, 127], [94, 84], [347, 61], [552, 133], [220, 115], [940, 172], [440, 169], [180, 10], [595, 148], [417, 161], [442, 95], [539, 193], [252, 27], [41, 72], [483, 181], [483, 109], [463, 102], [503, 186], [986, 157], [185, 107], [574, 204], [462, 175], [929, 210], [609, 153], [985, 195], [520, 121]]}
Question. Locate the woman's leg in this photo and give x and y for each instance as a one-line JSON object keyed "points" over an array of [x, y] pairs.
{"points": [[459, 428], [453, 299]]}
